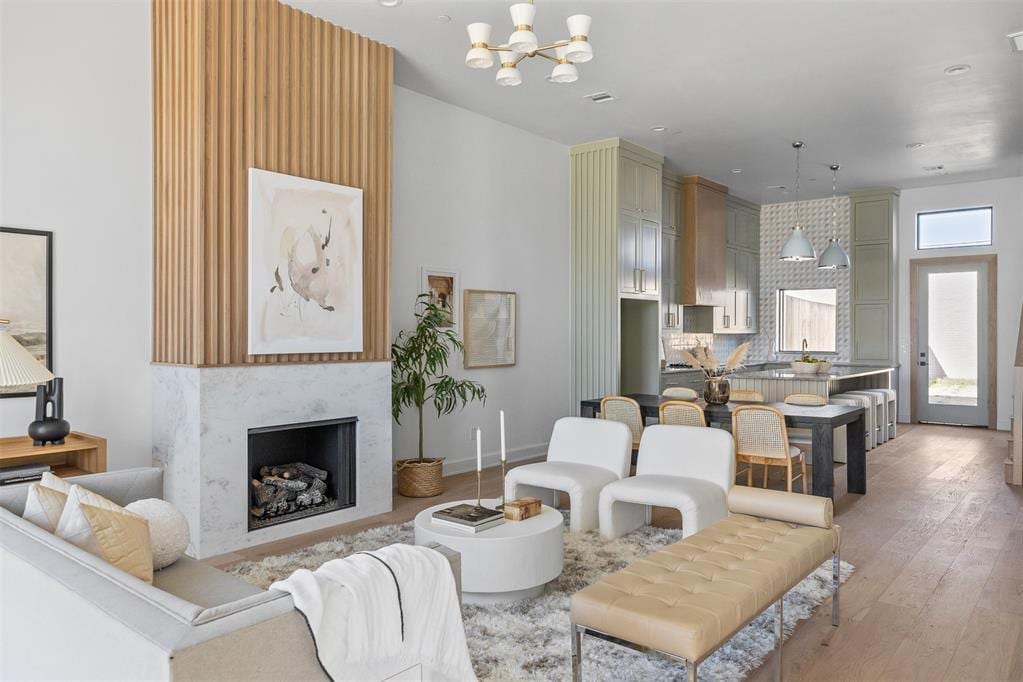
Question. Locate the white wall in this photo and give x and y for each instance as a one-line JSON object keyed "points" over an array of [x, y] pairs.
{"points": [[1006, 197], [491, 202], [75, 158]]}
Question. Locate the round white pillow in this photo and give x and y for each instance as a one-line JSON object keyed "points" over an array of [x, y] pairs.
{"points": [[168, 530]]}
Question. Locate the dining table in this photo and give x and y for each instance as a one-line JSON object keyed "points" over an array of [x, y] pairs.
{"points": [[822, 420]]}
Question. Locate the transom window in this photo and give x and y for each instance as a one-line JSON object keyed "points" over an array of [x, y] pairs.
{"points": [[953, 228], [809, 314]]}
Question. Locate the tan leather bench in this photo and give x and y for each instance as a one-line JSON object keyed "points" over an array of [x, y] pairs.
{"points": [[688, 599]]}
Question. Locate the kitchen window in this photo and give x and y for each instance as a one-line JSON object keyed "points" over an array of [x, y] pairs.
{"points": [[957, 227], [809, 314]]}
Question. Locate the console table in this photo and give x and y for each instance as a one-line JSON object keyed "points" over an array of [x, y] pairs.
{"points": [[80, 454]]}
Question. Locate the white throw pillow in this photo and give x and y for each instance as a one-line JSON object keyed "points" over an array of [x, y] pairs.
{"points": [[168, 530], [54, 482], [44, 506], [109, 531]]}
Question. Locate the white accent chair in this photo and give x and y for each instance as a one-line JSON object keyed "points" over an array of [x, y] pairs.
{"points": [[584, 455], [689, 468]]}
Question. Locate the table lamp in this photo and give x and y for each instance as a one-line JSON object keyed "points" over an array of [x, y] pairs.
{"points": [[19, 369]]}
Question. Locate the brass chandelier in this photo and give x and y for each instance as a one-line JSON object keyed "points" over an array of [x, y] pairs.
{"points": [[523, 43]]}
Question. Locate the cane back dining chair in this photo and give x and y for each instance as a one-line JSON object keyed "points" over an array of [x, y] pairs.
{"points": [[625, 410], [681, 413], [680, 393], [762, 438], [745, 395]]}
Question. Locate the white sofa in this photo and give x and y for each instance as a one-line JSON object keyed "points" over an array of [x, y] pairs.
{"points": [[67, 614], [689, 468], [584, 455]]}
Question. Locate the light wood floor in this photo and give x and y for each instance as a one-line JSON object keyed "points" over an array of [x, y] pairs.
{"points": [[938, 547]]}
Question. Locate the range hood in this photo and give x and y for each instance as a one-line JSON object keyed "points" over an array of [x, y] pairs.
{"points": [[702, 247]]}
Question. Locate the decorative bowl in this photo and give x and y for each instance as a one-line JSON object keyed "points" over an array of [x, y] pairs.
{"points": [[800, 367]]}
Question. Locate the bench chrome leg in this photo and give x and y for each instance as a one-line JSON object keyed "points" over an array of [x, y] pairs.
{"points": [[779, 635], [836, 570], [577, 652], [690, 671]]}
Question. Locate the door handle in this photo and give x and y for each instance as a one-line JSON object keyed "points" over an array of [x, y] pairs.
{"points": [[923, 363], [635, 279], [642, 280]]}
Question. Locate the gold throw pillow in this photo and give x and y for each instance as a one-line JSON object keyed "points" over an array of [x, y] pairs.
{"points": [[109, 531]]}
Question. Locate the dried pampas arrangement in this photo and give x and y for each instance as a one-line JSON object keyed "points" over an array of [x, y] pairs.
{"points": [[703, 357]]}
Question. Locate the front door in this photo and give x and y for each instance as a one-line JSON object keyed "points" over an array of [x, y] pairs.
{"points": [[952, 343]]}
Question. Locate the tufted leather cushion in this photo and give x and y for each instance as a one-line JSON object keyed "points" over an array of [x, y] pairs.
{"points": [[688, 597]]}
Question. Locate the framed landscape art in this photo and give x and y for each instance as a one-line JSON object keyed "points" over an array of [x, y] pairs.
{"points": [[26, 294], [490, 328], [305, 265]]}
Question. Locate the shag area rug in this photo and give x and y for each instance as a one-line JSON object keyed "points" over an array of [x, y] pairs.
{"points": [[529, 640]]}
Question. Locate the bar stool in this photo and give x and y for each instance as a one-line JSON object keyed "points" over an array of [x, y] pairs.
{"points": [[890, 398], [880, 404], [868, 418], [803, 438]]}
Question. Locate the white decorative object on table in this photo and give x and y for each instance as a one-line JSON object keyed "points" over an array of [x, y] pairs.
{"points": [[689, 468], [509, 562], [168, 530]]}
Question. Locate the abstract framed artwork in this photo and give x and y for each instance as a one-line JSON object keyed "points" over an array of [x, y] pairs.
{"points": [[490, 319], [26, 294], [305, 265], [443, 288]]}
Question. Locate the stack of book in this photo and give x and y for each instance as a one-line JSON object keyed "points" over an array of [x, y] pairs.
{"points": [[468, 518], [27, 472]]}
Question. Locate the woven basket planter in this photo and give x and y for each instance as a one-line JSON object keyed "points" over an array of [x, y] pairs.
{"points": [[420, 479]]}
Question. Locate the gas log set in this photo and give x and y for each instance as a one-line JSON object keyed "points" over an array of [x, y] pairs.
{"points": [[288, 488]]}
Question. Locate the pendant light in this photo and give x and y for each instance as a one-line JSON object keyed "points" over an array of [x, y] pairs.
{"points": [[834, 257], [797, 247]]}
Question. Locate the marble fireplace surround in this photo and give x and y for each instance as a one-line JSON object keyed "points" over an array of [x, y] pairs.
{"points": [[201, 418]]}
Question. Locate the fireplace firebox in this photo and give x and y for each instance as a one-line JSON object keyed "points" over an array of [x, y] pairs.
{"points": [[300, 470]]}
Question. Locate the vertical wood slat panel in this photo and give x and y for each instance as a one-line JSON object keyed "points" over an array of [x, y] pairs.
{"points": [[254, 83]]}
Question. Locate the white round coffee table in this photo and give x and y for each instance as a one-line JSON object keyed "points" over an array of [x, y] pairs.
{"points": [[512, 561]]}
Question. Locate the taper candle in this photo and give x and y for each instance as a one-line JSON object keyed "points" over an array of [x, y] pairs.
{"points": [[503, 455], [479, 449]]}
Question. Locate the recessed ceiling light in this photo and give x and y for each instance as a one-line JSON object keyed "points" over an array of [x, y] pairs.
{"points": [[1016, 41], [915, 145], [443, 18], [957, 69], [934, 168], [658, 129], [389, 3], [736, 170]]}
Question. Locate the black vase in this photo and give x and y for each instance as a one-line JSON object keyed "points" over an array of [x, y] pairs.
{"points": [[50, 425]]}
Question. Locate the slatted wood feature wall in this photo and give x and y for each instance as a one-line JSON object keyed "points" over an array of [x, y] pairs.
{"points": [[254, 83]]}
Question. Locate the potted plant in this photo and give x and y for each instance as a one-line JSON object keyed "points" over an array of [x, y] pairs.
{"points": [[716, 387], [418, 362]]}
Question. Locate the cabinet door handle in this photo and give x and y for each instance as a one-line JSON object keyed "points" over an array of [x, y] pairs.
{"points": [[635, 279], [642, 280], [724, 321]]}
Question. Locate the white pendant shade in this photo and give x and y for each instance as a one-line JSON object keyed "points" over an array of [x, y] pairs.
{"points": [[797, 247], [579, 51], [563, 72], [523, 39], [479, 57], [18, 367], [509, 76], [834, 257]]}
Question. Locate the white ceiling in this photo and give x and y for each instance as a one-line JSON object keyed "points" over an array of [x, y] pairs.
{"points": [[736, 82]]}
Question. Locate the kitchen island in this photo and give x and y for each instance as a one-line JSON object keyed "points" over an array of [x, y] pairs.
{"points": [[775, 384]]}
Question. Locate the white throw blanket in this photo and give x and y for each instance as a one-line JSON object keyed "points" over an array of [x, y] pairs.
{"points": [[353, 610]]}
